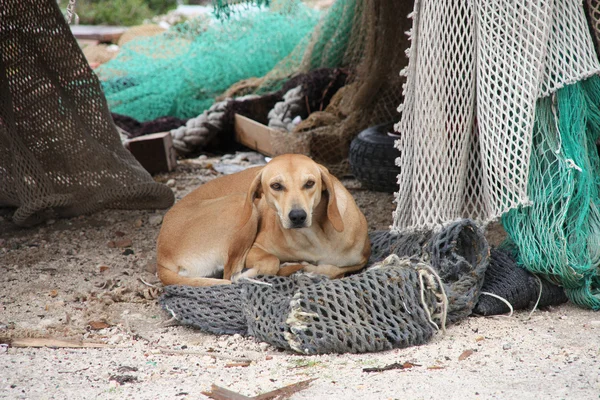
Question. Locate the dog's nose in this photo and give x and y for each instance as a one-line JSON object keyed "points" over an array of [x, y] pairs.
{"points": [[298, 217]]}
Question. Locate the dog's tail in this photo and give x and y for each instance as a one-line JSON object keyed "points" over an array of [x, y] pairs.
{"points": [[168, 277]]}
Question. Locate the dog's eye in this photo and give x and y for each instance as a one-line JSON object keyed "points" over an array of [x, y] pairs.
{"points": [[276, 186], [309, 184]]}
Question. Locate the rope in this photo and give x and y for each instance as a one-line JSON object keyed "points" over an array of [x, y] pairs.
{"points": [[510, 307], [283, 115], [200, 131]]}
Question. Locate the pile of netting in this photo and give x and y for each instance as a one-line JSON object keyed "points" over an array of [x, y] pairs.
{"points": [[367, 38], [180, 72], [400, 301], [500, 118], [559, 233], [183, 71], [60, 153], [508, 287]]}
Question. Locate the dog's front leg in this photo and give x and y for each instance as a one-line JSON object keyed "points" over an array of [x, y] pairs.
{"points": [[331, 271], [258, 262], [288, 269]]}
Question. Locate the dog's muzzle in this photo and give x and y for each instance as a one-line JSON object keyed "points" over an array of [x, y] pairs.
{"points": [[297, 218]]}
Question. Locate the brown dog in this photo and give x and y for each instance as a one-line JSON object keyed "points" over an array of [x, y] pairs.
{"points": [[289, 215]]}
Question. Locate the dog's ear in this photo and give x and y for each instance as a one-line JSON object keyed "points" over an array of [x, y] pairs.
{"points": [[253, 191], [333, 213]]}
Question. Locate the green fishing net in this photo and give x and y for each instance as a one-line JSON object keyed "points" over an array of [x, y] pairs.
{"points": [[558, 235], [180, 72]]}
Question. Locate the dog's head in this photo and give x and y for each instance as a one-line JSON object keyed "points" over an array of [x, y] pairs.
{"points": [[293, 185]]}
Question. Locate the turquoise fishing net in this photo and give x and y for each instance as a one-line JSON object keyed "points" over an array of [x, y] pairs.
{"points": [[180, 72], [336, 41], [558, 235]]}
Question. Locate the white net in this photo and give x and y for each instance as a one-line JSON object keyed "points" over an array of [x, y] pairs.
{"points": [[475, 72], [593, 9]]}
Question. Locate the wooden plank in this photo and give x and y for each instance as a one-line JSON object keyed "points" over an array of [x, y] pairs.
{"points": [[253, 134], [54, 343], [98, 32]]}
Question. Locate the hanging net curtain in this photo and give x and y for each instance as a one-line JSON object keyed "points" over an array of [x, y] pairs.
{"points": [[500, 118], [60, 153]]}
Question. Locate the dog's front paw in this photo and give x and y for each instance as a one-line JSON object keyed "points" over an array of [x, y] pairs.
{"points": [[310, 268], [246, 273]]}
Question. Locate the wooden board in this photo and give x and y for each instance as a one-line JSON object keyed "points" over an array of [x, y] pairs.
{"points": [[253, 134], [54, 343]]}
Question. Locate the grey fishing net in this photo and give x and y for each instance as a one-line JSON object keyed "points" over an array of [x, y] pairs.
{"points": [[398, 302], [60, 153], [505, 282]]}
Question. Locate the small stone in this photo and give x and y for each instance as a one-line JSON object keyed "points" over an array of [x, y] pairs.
{"points": [[103, 268], [50, 222], [237, 337], [116, 339], [128, 252], [78, 296], [119, 234], [53, 293], [155, 220], [97, 325], [151, 266], [506, 346], [263, 346], [208, 360], [138, 223], [181, 187], [171, 183], [123, 243]]}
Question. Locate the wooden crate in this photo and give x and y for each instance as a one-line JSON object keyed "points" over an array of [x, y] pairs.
{"points": [[155, 152]]}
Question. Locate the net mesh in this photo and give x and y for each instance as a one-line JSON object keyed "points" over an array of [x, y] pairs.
{"points": [[559, 234], [475, 72], [180, 72], [60, 153], [505, 279], [374, 32], [378, 310], [499, 119]]}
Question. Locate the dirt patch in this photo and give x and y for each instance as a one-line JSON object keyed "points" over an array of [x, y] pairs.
{"points": [[91, 278]]}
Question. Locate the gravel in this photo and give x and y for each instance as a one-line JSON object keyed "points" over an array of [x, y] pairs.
{"points": [[92, 278]]}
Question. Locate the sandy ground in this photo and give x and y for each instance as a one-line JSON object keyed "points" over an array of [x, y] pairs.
{"points": [[81, 279]]}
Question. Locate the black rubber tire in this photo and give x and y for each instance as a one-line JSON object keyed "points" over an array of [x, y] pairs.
{"points": [[373, 159]]}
